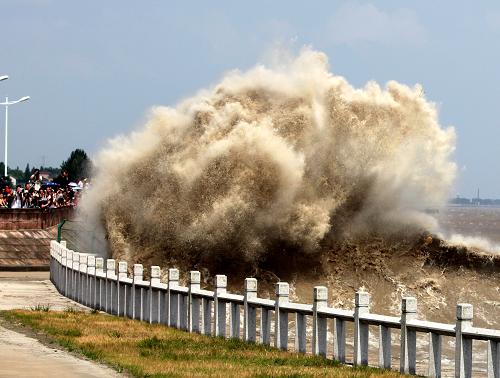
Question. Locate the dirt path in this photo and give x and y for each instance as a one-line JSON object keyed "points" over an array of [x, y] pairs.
{"points": [[24, 356]]}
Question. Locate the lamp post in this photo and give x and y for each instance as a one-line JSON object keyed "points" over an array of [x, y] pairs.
{"points": [[6, 104]]}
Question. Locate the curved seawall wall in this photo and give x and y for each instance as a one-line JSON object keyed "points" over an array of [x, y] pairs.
{"points": [[25, 236], [33, 219]]}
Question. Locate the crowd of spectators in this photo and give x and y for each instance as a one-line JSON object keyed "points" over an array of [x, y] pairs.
{"points": [[39, 194]]}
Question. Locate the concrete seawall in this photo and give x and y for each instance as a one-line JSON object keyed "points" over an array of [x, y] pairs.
{"points": [[26, 249], [25, 236], [33, 219]]}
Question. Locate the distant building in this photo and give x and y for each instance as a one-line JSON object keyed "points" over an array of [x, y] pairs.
{"points": [[46, 176], [460, 201]]}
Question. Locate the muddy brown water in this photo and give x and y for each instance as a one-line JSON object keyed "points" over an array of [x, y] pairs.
{"points": [[437, 275]]}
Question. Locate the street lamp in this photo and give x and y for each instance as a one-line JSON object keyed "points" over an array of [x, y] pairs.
{"points": [[6, 104], [4, 77]]}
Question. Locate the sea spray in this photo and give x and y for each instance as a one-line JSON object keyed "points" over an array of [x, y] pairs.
{"points": [[472, 243], [272, 162]]}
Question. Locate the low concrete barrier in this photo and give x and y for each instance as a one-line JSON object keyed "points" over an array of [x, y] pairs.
{"points": [[82, 277], [33, 219]]}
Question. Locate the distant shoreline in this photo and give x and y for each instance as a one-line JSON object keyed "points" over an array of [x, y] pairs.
{"points": [[472, 205]]}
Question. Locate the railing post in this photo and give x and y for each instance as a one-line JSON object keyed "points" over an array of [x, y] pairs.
{"points": [[265, 326], [463, 344], [384, 347], [55, 256], [62, 277], [173, 300], [320, 295], [74, 278], [493, 359], [68, 288], [300, 333], [137, 292], [121, 291], [183, 311], [60, 270], [76, 273], [69, 274], [194, 302], [56, 252], [99, 288], [59, 266], [361, 303], [51, 261], [207, 316], [220, 305], [56, 263], [83, 278], [62, 267], [89, 293], [435, 342], [234, 329], [249, 311], [122, 269], [281, 317], [99, 265], [408, 355], [163, 303], [54, 266], [154, 295], [110, 285]]}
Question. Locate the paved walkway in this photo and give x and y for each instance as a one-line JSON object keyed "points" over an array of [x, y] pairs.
{"points": [[29, 289], [23, 356]]}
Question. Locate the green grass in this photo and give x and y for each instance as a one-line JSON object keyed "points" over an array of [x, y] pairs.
{"points": [[40, 307], [145, 350], [71, 309]]}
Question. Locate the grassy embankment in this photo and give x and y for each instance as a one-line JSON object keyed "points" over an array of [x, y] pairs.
{"points": [[145, 350]]}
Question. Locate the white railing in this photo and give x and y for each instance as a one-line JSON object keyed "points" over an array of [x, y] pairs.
{"points": [[83, 278]]}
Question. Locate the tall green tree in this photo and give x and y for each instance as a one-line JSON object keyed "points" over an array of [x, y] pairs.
{"points": [[27, 172], [78, 165], [17, 173]]}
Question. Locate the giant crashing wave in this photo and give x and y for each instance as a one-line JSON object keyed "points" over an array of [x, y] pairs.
{"points": [[273, 164]]}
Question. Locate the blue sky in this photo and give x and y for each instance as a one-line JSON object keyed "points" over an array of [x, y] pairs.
{"points": [[94, 68]]}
